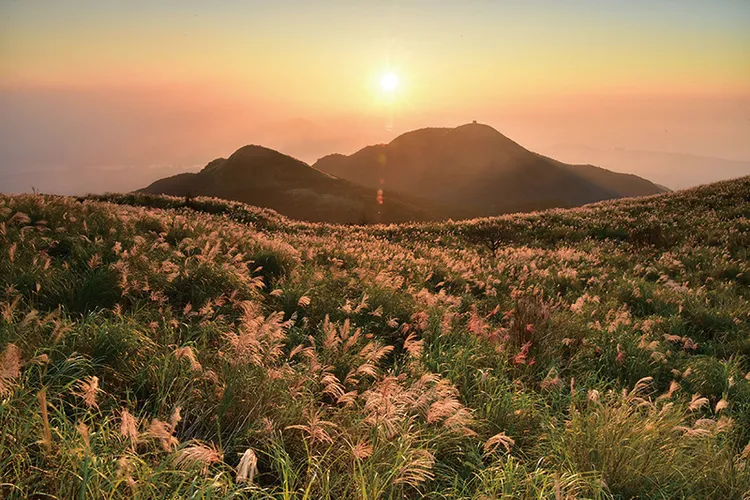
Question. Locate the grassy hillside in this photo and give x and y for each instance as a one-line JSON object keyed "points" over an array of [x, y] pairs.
{"points": [[163, 347]]}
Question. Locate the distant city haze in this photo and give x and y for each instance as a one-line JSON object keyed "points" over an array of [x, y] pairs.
{"points": [[104, 96]]}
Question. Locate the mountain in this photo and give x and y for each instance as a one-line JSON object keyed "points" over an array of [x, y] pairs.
{"points": [[266, 178], [675, 170], [477, 168]]}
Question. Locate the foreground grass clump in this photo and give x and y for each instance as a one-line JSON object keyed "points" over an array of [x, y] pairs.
{"points": [[161, 347]]}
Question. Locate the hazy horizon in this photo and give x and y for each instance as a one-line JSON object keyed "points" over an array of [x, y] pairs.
{"points": [[158, 89]]}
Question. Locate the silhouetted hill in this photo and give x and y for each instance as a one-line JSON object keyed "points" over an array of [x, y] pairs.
{"points": [[266, 178], [477, 168], [675, 170]]}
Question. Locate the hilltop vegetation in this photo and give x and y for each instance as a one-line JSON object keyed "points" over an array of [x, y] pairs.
{"points": [[169, 347]]}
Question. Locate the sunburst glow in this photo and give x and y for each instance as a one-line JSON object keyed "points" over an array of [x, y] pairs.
{"points": [[389, 82]]}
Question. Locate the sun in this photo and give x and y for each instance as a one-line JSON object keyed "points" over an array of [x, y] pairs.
{"points": [[389, 82]]}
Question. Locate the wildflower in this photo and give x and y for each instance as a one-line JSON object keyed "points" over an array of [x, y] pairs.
{"points": [[8, 309], [521, 357], [689, 344], [332, 385], [259, 340], [347, 399], [440, 410], [19, 218], [421, 320]]}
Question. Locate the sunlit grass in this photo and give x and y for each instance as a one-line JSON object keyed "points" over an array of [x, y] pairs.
{"points": [[163, 347]]}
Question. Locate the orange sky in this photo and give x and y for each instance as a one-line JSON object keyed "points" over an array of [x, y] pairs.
{"points": [[106, 83]]}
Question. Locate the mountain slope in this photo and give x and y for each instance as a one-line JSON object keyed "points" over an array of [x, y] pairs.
{"points": [[162, 347], [476, 167], [266, 178], [675, 170]]}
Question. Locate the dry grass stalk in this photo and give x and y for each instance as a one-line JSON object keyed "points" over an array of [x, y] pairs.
{"points": [[248, 467], [87, 389], [10, 369], [362, 450], [497, 440], [123, 470], [83, 430], [188, 353], [413, 346], [723, 404], [417, 469], [162, 431], [303, 301], [198, 454], [129, 427], [315, 429], [697, 402], [47, 433]]}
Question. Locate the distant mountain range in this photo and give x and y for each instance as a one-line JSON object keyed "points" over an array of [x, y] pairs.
{"points": [[266, 178], [477, 168], [674, 170], [427, 174]]}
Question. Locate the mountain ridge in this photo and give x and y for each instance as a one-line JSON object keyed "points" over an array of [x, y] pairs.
{"points": [[267, 178], [432, 173], [498, 174]]}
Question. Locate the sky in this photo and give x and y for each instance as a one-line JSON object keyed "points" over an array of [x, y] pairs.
{"points": [[141, 88]]}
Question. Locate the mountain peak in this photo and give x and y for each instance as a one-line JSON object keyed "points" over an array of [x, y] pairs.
{"points": [[256, 152], [480, 132], [476, 127], [475, 167], [267, 178]]}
